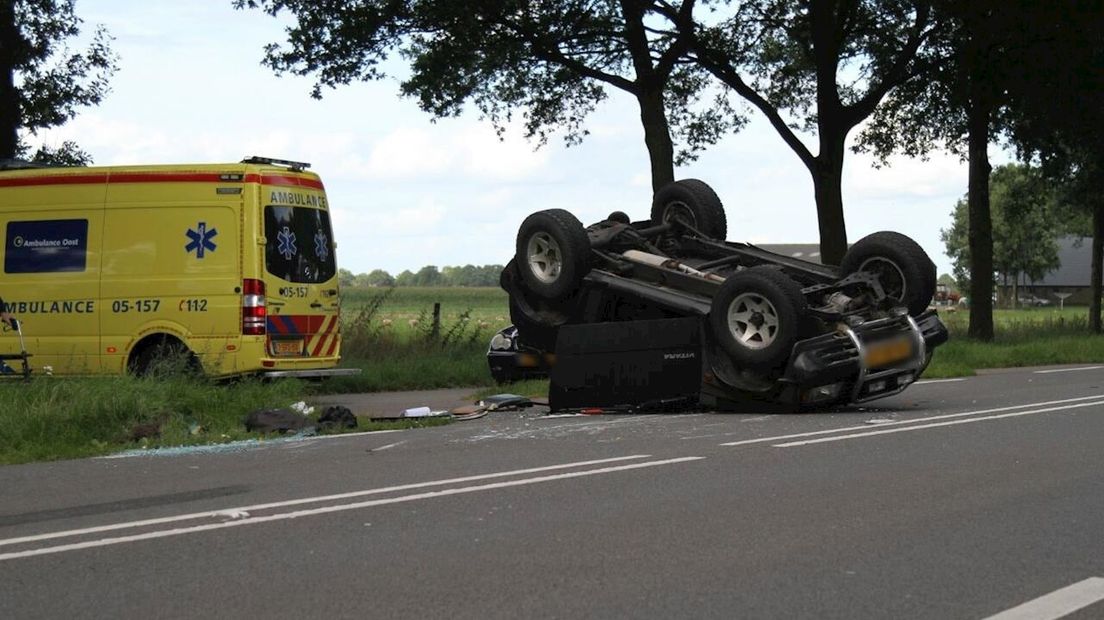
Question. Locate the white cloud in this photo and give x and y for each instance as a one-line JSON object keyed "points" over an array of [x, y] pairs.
{"points": [[942, 174]]}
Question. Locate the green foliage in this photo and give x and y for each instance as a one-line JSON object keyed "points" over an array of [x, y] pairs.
{"points": [[815, 66], [551, 62], [377, 277], [1025, 227], [430, 276], [1022, 338], [47, 82]]}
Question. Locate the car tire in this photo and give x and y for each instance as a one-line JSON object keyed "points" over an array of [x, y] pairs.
{"points": [[552, 253], [695, 201], [756, 317], [902, 266]]}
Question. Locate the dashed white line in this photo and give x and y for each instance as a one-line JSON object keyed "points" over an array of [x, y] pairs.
{"points": [[912, 421], [794, 444], [103, 542], [1050, 372], [308, 500], [931, 381], [1058, 603]]}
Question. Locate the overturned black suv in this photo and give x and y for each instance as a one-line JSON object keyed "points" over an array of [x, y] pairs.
{"points": [[738, 323]]}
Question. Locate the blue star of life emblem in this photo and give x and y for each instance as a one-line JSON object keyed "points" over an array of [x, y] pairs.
{"points": [[321, 246], [201, 240], [285, 243]]}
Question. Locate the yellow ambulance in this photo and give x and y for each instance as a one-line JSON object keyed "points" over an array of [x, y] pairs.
{"points": [[229, 266]]}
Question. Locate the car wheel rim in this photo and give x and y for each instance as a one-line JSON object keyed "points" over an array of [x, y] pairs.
{"points": [[753, 321], [889, 275], [679, 211], [545, 258]]}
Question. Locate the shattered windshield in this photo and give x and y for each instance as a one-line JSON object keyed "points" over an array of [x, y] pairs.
{"points": [[299, 244]]}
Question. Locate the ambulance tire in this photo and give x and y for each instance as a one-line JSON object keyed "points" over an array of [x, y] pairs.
{"points": [[165, 357]]}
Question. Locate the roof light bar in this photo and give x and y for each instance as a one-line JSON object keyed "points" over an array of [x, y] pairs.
{"points": [[297, 166]]}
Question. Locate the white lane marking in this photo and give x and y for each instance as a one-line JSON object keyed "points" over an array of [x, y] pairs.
{"points": [[930, 381], [388, 446], [1050, 372], [1058, 603], [289, 443], [921, 427], [912, 421], [308, 500], [103, 542]]}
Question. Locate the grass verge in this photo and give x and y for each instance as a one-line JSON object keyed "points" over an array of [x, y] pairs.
{"points": [[54, 418], [963, 357]]}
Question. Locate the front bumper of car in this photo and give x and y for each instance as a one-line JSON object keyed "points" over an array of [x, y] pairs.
{"points": [[510, 359], [856, 364]]}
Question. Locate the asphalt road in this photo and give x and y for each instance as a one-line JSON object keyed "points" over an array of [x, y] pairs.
{"points": [[978, 498]]}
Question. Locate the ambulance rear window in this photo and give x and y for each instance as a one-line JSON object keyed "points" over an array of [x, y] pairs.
{"points": [[299, 245]]}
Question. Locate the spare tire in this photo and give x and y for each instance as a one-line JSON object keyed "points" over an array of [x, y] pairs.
{"points": [[552, 253], [756, 317], [903, 268], [693, 201]]}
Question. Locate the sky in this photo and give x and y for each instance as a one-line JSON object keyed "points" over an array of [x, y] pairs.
{"points": [[406, 191]]}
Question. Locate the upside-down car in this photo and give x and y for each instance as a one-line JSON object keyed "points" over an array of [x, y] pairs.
{"points": [[772, 327]]}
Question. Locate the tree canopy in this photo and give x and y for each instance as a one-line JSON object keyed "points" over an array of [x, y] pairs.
{"points": [[1026, 225], [815, 66], [552, 62], [42, 82], [982, 69]]}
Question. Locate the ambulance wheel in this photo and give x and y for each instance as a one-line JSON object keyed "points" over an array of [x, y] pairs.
{"points": [[693, 202], [164, 357]]}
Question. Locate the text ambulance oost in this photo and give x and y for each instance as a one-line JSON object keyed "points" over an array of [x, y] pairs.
{"points": [[229, 266]]}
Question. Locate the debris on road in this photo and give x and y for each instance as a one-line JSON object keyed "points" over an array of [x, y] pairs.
{"points": [[276, 421], [336, 417], [505, 402], [302, 408]]}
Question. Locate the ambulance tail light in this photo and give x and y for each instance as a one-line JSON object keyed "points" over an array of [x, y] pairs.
{"points": [[254, 314]]}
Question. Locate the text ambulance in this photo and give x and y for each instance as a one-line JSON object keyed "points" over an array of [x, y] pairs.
{"points": [[113, 268]]}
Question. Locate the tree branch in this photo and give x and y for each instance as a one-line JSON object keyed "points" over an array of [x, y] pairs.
{"points": [[897, 74]]}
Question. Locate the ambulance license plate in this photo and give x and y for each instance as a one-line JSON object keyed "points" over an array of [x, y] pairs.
{"points": [[885, 353], [287, 347]]}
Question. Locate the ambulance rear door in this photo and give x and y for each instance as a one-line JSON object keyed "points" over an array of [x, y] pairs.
{"points": [[300, 276]]}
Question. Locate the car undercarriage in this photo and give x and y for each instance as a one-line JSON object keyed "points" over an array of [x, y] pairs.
{"points": [[771, 328]]}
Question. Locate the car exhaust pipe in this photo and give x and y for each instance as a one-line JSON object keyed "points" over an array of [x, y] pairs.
{"points": [[644, 258]]}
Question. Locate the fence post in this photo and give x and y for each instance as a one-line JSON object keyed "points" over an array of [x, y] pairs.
{"points": [[436, 332]]}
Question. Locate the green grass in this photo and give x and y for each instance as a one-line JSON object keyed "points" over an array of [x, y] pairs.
{"points": [[1030, 337], [389, 335], [51, 418], [407, 303], [533, 388]]}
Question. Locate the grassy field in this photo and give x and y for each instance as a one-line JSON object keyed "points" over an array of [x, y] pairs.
{"points": [[1029, 337], [389, 335]]}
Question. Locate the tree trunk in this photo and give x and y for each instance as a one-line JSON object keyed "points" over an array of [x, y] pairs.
{"points": [[1095, 288], [827, 179], [980, 222], [657, 137], [10, 120], [649, 95]]}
